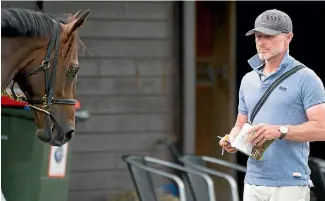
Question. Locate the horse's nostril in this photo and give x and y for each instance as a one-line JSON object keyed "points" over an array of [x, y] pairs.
{"points": [[69, 135]]}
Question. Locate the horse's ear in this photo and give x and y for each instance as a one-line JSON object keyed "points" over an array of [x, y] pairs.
{"points": [[76, 15], [79, 20]]}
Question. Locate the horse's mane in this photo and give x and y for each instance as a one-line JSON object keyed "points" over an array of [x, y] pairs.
{"points": [[19, 22]]}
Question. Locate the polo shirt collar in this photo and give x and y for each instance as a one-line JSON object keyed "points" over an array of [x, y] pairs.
{"points": [[257, 64]]}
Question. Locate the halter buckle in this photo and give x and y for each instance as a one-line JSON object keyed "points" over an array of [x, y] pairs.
{"points": [[45, 106]]}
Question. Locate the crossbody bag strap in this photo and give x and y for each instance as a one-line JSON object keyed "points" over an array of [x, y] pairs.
{"points": [[267, 93]]}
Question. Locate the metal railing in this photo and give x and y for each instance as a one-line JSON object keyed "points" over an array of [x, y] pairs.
{"points": [[144, 186], [142, 181], [198, 163]]}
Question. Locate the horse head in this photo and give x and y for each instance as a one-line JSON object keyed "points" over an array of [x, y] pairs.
{"points": [[40, 53]]}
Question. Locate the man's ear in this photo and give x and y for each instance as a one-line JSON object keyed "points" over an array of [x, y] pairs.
{"points": [[289, 37], [78, 20]]}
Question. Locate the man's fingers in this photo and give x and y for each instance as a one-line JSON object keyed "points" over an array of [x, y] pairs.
{"points": [[253, 136], [261, 142], [256, 128], [257, 139], [223, 143], [231, 149], [253, 129], [226, 145]]}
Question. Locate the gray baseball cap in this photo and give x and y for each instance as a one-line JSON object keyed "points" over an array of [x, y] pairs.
{"points": [[272, 22]]}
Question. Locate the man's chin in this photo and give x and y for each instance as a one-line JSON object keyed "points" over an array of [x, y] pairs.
{"points": [[263, 56]]}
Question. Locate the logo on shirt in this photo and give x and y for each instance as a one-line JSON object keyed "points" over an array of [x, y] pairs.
{"points": [[283, 88]]}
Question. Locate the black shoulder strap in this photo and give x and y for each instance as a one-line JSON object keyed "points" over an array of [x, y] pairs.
{"points": [[260, 103]]}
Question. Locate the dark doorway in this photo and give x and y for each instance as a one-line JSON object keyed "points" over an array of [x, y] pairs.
{"points": [[307, 45]]}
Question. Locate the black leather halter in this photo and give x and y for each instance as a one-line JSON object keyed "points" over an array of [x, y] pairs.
{"points": [[48, 99]]}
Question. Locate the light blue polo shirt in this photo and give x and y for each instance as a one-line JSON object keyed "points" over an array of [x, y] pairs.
{"points": [[287, 104]]}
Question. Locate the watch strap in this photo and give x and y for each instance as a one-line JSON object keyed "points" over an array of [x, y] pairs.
{"points": [[282, 135]]}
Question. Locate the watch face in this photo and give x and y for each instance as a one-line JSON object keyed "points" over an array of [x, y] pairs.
{"points": [[284, 129]]}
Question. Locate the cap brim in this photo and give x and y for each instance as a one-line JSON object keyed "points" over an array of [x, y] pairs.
{"points": [[263, 30]]}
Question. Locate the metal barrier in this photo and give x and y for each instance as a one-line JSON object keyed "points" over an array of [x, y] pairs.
{"points": [[228, 164], [139, 171], [198, 163], [172, 149], [205, 191]]}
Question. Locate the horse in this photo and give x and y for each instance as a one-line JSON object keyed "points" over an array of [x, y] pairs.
{"points": [[40, 53]]}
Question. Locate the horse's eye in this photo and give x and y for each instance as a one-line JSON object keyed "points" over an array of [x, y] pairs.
{"points": [[73, 70]]}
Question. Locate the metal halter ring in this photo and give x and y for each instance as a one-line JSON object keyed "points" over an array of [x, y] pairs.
{"points": [[45, 64], [45, 99]]}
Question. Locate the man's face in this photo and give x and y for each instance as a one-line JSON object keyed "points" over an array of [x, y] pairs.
{"points": [[270, 46]]}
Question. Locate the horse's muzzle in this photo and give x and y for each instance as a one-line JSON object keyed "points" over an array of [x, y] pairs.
{"points": [[53, 133]]}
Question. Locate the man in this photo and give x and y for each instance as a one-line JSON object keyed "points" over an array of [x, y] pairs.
{"points": [[293, 115]]}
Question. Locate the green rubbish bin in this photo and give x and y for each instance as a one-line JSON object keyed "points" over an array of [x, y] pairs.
{"points": [[30, 169]]}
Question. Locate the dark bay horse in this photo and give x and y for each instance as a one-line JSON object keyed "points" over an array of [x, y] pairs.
{"points": [[40, 54]]}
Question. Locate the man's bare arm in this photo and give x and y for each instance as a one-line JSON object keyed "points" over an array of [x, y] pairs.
{"points": [[240, 121], [313, 130]]}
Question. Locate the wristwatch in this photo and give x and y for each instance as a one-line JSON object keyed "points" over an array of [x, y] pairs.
{"points": [[284, 130]]}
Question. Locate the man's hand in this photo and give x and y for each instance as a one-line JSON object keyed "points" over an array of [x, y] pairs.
{"points": [[225, 144], [263, 132], [225, 141]]}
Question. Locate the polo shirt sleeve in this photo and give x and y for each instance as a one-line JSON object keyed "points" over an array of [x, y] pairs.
{"points": [[312, 89], [242, 108]]}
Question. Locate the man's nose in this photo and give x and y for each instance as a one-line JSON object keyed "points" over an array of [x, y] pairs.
{"points": [[261, 42]]}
